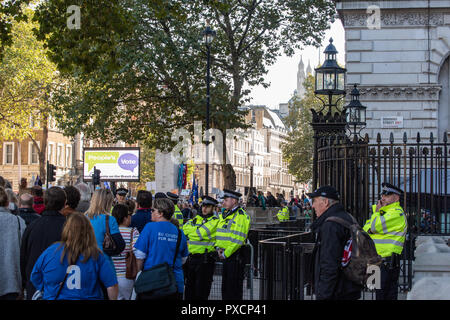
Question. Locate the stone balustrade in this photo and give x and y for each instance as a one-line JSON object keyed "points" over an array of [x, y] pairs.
{"points": [[431, 269]]}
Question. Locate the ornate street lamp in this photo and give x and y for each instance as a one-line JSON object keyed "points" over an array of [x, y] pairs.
{"points": [[208, 37], [251, 161], [355, 113], [330, 81], [330, 77]]}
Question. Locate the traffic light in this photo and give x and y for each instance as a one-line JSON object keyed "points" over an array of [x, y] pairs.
{"points": [[96, 177], [51, 172]]}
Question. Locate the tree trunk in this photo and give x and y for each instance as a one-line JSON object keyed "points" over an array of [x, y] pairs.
{"points": [[229, 176], [43, 150]]}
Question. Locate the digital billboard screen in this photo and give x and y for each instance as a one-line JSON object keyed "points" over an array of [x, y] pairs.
{"points": [[115, 164]]}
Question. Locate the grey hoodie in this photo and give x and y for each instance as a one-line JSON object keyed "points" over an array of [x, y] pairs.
{"points": [[10, 236]]}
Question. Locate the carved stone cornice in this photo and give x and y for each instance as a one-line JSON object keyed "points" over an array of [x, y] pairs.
{"points": [[411, 92], [359, 19]]}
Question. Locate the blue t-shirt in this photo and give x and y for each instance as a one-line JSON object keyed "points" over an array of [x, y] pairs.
{"points": [[158, 241], [141, 218], [99, 225], [83, 281]]}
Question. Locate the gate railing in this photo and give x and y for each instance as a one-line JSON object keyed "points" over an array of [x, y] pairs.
{"points": [[419, 168]]}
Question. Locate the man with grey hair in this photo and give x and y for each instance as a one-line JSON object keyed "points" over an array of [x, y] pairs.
{"points": [[26, 211], [331, 239], [85, 197]]}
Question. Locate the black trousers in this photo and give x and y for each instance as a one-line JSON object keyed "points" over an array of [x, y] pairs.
{"points": [[233, 277], [175, 296], [389, 283], [198, 275], [9, 296]]}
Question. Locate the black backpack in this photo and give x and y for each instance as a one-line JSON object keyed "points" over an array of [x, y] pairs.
{"points": [[363, 252]]}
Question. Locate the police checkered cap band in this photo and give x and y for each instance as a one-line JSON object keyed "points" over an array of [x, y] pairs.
{"points": [[390, 190], [227, 194], [208, 202]]}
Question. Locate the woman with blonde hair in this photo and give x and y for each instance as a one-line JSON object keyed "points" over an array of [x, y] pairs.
{"points": [[74, 268], [98, 214]]}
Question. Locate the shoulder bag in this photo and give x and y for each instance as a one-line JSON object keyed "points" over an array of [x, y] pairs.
{"points": [[108, 242], [158, 281], [130, 260], [39, 294]]}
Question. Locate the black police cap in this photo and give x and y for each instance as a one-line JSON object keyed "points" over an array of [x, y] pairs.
{"points": [[207, 200], [160, 195], [390, 188], [231, 194], [172, 196], [122, 191], [326, 192]]}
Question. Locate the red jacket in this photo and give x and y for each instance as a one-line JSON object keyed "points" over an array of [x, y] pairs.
{"points": [[38, 205]]}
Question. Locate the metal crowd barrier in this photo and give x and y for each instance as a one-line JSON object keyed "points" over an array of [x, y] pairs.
{"points": [[248, 290]]}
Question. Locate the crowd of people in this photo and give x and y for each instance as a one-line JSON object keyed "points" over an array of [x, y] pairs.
{"points": [[297, 206], [69, 243]]}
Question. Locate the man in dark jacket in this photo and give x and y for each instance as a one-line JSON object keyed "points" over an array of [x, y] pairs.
{"points": [[26, 211], [331, 238], [143, 214], [271, 201], [40, 234]]}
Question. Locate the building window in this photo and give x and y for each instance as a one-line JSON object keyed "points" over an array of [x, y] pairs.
{"points": [[68, 156], [50, 152], [8, 153], [33, 153], [59, 156]]}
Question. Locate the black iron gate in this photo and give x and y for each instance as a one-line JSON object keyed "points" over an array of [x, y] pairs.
{"points": [[418, 166]]}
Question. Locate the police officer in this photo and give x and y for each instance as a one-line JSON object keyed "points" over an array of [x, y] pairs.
{"points": [[283, 213], [178, 215], [387, 227], [121, 194], [199, 267], [231, 235]]}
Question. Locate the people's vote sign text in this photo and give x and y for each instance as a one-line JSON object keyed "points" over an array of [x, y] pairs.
{"points": [[115, 164]]}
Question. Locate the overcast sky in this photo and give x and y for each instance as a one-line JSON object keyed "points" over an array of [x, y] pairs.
{"points": [[283, 74]]}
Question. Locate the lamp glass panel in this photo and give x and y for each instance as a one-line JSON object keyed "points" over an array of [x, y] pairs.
{"points": [[319, 80], [329, 81], [209, 38], [363, 115], [340, 81]]}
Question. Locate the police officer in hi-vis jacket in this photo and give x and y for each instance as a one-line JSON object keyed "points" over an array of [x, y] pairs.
{"points": [[387, 227], [231, 235]]}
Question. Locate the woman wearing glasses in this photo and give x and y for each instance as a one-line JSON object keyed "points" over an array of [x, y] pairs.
{"points": [[123, 215]]}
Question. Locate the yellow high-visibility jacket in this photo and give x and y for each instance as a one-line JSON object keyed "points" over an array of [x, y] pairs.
{"points": [[387, 228], [232, 230], [178, 215], [283, 214], [201, 233]]}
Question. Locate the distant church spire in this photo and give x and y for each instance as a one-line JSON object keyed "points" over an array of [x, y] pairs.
{"points": [[308, 69], [300, 79]]}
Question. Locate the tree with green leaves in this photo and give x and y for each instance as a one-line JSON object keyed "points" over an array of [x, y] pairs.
{"points": [[136, 69], [10, 12], [27, 79], [298, 150]]}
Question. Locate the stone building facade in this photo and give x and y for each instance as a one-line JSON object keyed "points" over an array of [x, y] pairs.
{"points": [[19, 159], [398, 54], [264, 138]]}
